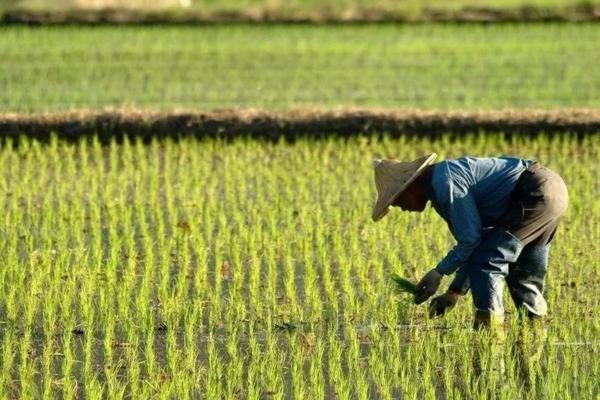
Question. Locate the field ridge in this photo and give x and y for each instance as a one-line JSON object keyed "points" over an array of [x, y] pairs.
{"points": [[266, 15], [304, 122]]}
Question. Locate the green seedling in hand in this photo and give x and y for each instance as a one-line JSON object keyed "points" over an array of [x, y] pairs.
{"points": [[403, 285]]}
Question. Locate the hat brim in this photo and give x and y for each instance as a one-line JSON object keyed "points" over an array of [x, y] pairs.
{"points": [[385, 200]]}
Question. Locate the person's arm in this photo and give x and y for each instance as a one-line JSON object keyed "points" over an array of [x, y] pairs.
{"points": [[463, 220], [460, 284], [465, 224]]}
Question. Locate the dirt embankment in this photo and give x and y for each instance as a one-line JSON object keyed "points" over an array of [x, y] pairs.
{"points": [[579, 12], [292, 124]]}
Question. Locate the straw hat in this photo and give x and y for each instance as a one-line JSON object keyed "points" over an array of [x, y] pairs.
{"points": [[392, 178]]}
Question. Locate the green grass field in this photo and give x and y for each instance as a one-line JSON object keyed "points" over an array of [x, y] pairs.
{"points": [[280, 67], [253, 270]]}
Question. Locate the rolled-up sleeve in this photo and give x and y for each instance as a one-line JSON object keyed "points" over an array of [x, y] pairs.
{"points": [[464, 222]]}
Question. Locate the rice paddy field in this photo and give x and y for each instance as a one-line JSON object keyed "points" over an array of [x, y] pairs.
{"points": [[427, 66], [251, 269], [206, 268]]}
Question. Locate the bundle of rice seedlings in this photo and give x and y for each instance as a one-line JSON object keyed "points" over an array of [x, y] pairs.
{"points": [[403, 285]]}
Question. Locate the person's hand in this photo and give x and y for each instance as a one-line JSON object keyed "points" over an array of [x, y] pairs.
{"points": [[442, 303], [427, 286]]}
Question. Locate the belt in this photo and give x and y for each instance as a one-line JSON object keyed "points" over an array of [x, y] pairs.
{"points": [[534, 166]]}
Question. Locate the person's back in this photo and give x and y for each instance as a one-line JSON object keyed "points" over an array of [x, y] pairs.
{"points": [[489, 180]]}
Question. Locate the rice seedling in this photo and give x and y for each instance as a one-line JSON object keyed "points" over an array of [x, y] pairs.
{"points": [[403, 284]]}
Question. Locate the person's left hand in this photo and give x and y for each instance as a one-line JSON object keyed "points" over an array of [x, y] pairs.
{"points": [[427, 286], [442, 303]]}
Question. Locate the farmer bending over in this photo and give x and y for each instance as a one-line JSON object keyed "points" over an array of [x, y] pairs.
{"points": [[503, 213]]}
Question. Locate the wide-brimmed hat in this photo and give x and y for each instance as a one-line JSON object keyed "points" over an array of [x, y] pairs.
{"points": [[392, 178]]}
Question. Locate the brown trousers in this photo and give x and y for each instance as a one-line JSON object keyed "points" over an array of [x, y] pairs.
{"points": [[537, 204]]}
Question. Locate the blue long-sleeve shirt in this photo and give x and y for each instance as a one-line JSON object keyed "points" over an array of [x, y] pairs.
{"points": [[471, 194]]}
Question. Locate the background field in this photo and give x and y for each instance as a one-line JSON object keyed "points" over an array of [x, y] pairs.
{"points": [[294, 4], [253, 269], [329, 9], [280, 67]]}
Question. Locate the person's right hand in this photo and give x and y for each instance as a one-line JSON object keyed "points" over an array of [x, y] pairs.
{"points": [[442, 303], [427, 286]]}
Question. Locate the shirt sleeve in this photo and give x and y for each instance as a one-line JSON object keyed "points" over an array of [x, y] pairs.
{"points": [[461, 283], [464, 222]]}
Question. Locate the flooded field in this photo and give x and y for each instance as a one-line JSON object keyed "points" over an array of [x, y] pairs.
{"points": [[248, 269]]}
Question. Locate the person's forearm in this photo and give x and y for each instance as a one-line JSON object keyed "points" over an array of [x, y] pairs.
{"points": [[461, 283], [455, 259]]}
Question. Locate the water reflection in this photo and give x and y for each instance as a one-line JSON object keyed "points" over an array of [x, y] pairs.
{"points": [[512, 358]]}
